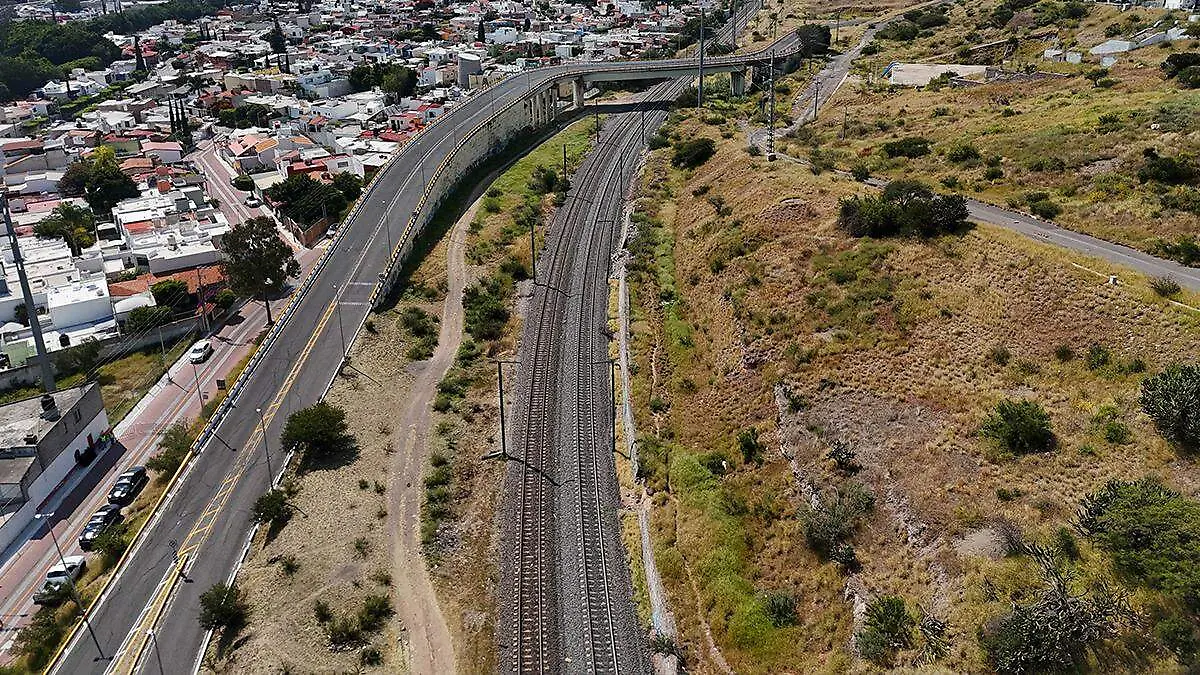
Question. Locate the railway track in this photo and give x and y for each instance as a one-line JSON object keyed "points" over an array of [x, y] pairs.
{"points": [[580, 620]]}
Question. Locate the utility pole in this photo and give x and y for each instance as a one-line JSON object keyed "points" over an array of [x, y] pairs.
{"points": [[816, 97], [532, 253], [262, 424], [71, 582], [771, 112], [564, 163], [35, 325], [700, 84]]}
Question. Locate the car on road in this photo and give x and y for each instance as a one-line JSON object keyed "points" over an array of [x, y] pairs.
{"points": [[200, 351], [58, 579], [109, 514], [128, 486], [253, 201]]}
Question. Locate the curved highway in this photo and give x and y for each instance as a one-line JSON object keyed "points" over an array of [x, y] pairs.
{"points": [[205, 518]]}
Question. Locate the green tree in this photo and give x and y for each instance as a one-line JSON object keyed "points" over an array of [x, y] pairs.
{"points": [[256, 261], [1019, 426], [73, 224], [1172, 400], [272, 507], [276, 39], [143, 319], [349, 184], [75, 178], [106, 184], [398, 81], [171, 293], [692, 153], [318, 431], [172, 448], [223, 607]]}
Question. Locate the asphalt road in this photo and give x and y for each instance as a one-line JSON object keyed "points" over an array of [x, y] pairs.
{"points": [[206, 518]]}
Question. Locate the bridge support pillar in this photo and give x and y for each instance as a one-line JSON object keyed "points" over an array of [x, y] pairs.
{"points": [[737, 83], [551, 104], [577, 93]]}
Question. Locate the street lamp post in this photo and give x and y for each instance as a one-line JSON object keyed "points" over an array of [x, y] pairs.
{"points": [[199, 391], [262, 425], [71, 582], [157, 654]]}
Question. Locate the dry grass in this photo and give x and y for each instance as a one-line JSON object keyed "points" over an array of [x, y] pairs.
{"points": [[901, 373]]}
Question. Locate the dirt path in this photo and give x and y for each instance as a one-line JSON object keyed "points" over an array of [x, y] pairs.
{"points": [[426, 641]]}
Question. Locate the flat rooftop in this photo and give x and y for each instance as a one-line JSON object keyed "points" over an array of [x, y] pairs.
{"points": [[24, 418]]}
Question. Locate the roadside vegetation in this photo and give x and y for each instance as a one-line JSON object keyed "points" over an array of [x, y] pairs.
{"points": [[913, 427]]}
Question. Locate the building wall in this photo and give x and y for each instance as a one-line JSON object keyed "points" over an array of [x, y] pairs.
{"points": [[69, 436]]}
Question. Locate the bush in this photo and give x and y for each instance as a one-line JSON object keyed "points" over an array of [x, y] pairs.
{"points": [[172, 448], [888, 629], [344, 632], [1152, 533], [1098, 356], [1020, 427], [904, 207], [375, 610], [860, 171], [243, 182], [145, 319], [963, 152], [780, 607], [1064, 353], [752, 448], [223, 607], [272, 507], [658, 141], [1055, 631], [321, 611], [1177, 63], [1172, 400], [1165, 286], [1045, 209], [486, 313], [834, 518], [318, 432], [692, 153], [1168, 170], [911, 147], [225, 298], [1179, 636]]}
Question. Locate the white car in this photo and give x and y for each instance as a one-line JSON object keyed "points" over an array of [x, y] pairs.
{"points": [[253, 201], [200, 351], [70, 569]]}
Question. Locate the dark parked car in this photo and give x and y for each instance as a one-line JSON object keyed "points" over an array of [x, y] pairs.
{"points": [[127, 487], [108, 514]]}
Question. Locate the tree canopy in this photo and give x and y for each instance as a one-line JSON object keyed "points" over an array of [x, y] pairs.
{"points": [[318, 432], [392, 78], [1172, 399], [306, 200], [73, 224], [257, 262], [905, 207], [99, 180]]}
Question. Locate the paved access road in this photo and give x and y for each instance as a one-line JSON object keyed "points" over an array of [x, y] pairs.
{"points": [[207, 515]]}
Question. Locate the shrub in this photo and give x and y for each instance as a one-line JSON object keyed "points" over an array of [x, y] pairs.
{"points": [[375, 610], [225, 298], [658, 141], [486, 313], [1064, 353], [1179, 636], [318, 432], [1019, 427], [835, 517], [780, 607], [1098, 356], [1165, 286], [112, 542], [171, 293], [1177, 63], [888, 629], [1045, 209], [860, 171], [322, 612], [1000, 355], [1172, 400], [289, 565], [904, 207], [223, 607], [370, 656], [343, 632], [272, 507], [1055, 631], [145, 319], [993, 173], [692, 153], [243, 182], [1169, 170], [963, 152], [1152, 533], [752, 448], [911, 147]]}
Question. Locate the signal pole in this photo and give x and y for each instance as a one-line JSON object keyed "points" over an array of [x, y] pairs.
{"points": [[771, 113], [39, 343]]}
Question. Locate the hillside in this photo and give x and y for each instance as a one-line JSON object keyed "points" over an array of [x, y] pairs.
{"points": [[799, 390]]}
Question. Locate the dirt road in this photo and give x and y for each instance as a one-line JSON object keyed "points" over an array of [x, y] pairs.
{"points": [[429, 647]]}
